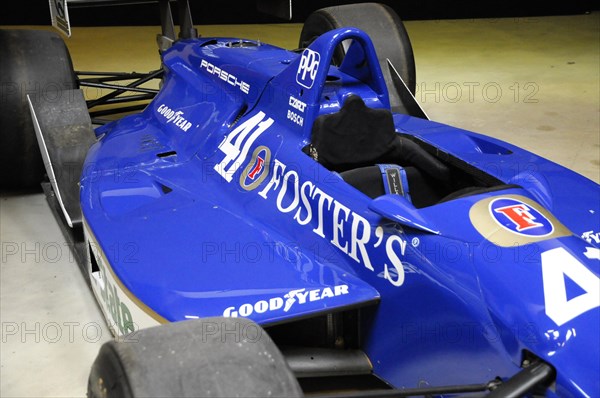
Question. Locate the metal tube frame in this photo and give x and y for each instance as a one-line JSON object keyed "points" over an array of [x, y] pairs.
{"points": [[132, 92]]}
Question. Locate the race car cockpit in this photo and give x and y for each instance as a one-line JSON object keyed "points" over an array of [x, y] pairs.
{"points": [[362, 145]]}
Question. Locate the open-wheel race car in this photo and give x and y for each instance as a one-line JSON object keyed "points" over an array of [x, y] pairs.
{"points": [[279, 223]]}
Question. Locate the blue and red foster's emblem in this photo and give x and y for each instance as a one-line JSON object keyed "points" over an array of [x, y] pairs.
{"points": [[520, 218], [257, 169]]}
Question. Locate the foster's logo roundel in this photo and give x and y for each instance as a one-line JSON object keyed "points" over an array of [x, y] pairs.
{"points": [[520, 218], [257, 169]]}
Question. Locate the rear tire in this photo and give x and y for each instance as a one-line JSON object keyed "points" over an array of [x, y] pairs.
{"points": [[215, 357], [37, 63], [383, 26]]}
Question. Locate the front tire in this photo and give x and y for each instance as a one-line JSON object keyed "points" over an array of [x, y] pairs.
{"points": [[35, 63], [211, 357]]}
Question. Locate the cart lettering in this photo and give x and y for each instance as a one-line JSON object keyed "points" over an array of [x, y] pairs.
{"points": [[297, 104]]}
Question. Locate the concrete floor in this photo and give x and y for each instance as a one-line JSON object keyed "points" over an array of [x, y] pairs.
{"points": [[531, 81]]}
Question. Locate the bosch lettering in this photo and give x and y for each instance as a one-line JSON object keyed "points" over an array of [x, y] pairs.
{"points": [[294, 117]]}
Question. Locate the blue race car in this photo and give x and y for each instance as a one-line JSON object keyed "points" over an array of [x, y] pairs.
{"points": [[305, 194]]}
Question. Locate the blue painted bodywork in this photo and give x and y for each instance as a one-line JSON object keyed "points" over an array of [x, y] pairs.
{"points": [[203, 222]]}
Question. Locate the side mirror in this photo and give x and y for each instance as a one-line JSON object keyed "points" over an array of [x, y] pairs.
{"points": [[397, 208]]}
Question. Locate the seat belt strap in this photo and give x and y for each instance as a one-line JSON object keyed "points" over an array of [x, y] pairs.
{"points": [[395, 180]]}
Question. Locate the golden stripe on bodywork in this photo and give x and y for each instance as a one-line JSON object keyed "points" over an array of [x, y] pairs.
{"points": [[487, 226]]}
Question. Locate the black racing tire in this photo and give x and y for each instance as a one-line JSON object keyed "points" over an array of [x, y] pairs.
{"points": [[380, 22], [34, 62], [211, 357]]}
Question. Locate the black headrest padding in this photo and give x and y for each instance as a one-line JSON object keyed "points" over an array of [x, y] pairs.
{"points": [[354, 136]]}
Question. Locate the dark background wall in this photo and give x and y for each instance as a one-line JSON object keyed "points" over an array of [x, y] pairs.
{"points": [[35, 12]]}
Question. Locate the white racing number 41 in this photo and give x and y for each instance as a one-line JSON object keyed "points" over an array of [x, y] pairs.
{"points": [[237, 144], [556, 264]]}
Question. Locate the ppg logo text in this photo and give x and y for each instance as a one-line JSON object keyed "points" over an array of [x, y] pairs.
{"points": [[307, 71]]}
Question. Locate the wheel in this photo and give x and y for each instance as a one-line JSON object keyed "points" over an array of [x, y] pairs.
{"points": [[35, 63], [382, 25], [211, 357]]}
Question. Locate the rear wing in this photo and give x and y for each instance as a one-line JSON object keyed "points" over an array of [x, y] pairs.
{"points": [[59, 12]]}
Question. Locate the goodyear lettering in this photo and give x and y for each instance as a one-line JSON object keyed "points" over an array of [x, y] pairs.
{"points": [[175, 117], [225, 76], [285, 303]]}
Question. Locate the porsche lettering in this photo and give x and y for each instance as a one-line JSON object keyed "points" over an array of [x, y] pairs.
{"points": [[225, 76]]}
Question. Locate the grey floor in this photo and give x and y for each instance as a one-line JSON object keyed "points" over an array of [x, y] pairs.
{"points": [[531, 81]]}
